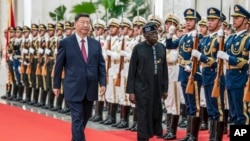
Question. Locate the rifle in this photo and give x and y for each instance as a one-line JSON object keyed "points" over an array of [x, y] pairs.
{"points": [[216, 87], [39, 60], [121, 66], [108, 57], [31, 55], [46, 60], [22, 67], [246, 97], [190, 84]]}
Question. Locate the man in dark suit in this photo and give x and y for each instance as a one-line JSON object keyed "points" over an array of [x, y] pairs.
{"points": [[81, 57]]}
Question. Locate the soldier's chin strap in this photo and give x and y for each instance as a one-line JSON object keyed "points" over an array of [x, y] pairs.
{"points": [[241, 22]]}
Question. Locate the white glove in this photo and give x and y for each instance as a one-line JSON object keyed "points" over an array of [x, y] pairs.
{"points": [[21, 61], [169, 36], [221, 33], [11, 58], [40, 50], [108, 37], [112, 54], [31, 50], [25, 51], [194, 33], [187, 68], [47, 51], [25, 63], [55, 52], [123, 53], [222, 55], [196, 53], [171, 30]]}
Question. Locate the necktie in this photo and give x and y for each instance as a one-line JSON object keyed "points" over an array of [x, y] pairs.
{"points": [[84, 54]]}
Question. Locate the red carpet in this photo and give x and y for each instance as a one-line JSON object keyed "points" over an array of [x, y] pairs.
{"points": [[20, 125]]}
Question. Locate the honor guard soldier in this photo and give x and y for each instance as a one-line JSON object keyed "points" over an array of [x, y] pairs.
{"points": [[24, 64], [112, 56], [203, 30], [68, 27], [99, 28], [16, 55], [172, 101], [206, 53], [121, 78], [59, 36], [31, 70], [138, 23], [40, 61], [48, 65], [8, 87], [158, 21], [185, 45], [236, 54]]}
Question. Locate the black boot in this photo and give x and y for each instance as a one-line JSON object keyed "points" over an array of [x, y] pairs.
{"points": [[204, 119], [20, 93], [168, 123], [28, 92], [125, 117], [226, 114], [8, 91], [43, 98], [65, 109], [35, 97], [59, 101], [133, 127], [195, 125], [116, 124], [188, 130], [173, 128], [14, 93], [99, 111], [211, 130], [108, 106], [112, 117], [51, 98], [219, 127], [183, 121]]}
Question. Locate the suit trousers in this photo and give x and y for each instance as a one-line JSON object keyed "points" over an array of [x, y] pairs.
{"points": [[80, 114]]}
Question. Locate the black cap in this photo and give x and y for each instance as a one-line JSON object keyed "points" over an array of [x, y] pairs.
{"points": [[149, 27]]}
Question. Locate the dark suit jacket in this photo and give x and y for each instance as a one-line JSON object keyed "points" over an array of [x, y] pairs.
{"points": [[81, 79]]}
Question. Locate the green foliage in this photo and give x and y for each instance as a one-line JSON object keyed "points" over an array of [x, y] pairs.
{"points": [[58, 14], [114, 9], [84, 7]]}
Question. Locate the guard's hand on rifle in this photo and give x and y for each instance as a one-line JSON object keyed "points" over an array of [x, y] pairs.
{"points": [[196, 53], [25, 51], [55, 51], [47, 51], [164, 96], [25, 63], [112, 54], [194, 33], [103, 90], [56, 92], [171, 31], [220, 32], [187, 68], [31, 50], [40, 51], [222, 55], [123, 53], [132, 98]]}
